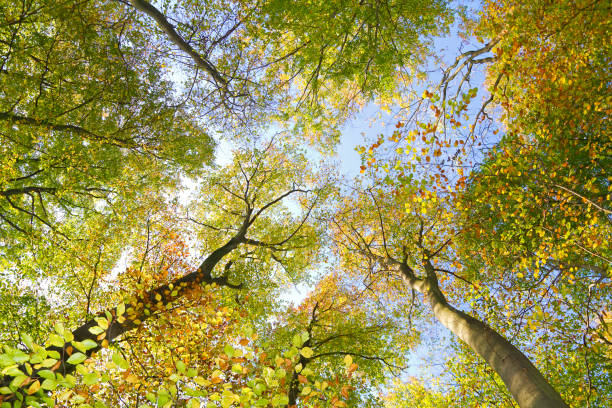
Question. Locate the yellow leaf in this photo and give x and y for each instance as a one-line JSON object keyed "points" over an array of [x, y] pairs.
{"points": [[306, 352], [132, 379], [34, 387], [201, 381], [102, 322]]}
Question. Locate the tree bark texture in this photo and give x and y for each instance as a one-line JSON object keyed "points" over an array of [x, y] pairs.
{"points": [[527, 385]]}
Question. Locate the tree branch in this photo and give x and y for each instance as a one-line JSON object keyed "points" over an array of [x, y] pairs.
{"points": [[176, 38]]}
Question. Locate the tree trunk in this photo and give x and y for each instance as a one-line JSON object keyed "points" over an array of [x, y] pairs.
{"points": [[527, 385], [135, 313]]}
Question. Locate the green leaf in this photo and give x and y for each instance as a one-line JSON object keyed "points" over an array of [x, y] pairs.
{"points": [[95, 330], [76, 358], [48, 362], [27, 340], [59, 328], [68, 336], [259, 388], [56, 340], [120, 361], [79, 346], [297, 341], [12, 371], [20, 357], [280, 373], [229, 350], [89, 344], [48, 374], [70, 380], [17, 381], [151, 397], [91, 378], [163, 397]]}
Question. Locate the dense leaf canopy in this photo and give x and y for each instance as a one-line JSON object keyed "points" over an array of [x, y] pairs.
{"points": [[468, 264]]}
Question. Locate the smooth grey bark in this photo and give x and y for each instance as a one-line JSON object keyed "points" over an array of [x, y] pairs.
{"points": [[527, 385]]}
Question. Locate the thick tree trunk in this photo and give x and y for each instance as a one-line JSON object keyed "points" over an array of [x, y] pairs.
{"points": [[524, 381]]}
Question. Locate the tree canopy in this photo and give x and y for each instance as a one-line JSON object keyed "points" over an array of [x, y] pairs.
{"points": [[175, 230]]}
